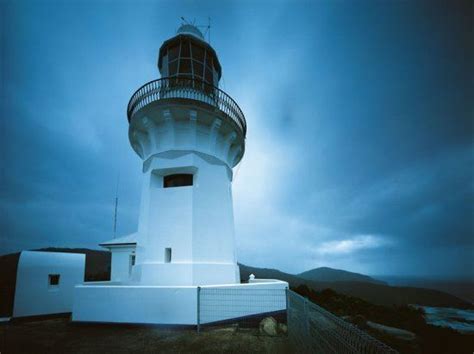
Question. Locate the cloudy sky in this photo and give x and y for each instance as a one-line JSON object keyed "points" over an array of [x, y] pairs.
{"points": [[360, 127]]}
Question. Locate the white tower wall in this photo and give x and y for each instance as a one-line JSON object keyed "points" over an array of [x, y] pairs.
{"points": [[195, 222]]}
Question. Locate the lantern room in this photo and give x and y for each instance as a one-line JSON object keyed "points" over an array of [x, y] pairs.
{"points": [[189, 56]]}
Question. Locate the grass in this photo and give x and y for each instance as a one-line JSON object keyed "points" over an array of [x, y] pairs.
{"points": [[62, 336]]}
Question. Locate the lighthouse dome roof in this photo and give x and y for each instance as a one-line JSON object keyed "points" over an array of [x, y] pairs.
{"points": [[190, 29]]}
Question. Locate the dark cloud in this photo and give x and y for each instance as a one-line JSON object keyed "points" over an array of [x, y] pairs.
{"points": [[359, 151]]}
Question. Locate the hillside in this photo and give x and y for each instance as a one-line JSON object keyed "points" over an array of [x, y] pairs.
{"points": [[378, 294], [329, 274], [97, 262]]}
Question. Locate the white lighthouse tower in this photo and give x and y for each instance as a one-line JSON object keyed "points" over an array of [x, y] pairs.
{"points": [[180, 266], [189, 134]]}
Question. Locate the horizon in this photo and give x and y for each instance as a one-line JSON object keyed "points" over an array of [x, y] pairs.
{"points": [[375, 276], [359, 146]]}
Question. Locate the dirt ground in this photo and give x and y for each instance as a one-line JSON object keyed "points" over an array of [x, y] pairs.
{"points": [[61, 336]]}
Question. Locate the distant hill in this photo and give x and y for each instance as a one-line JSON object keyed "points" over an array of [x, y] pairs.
{"points": [[378, 294], [329, 274], [97, 261], [462, 288]]}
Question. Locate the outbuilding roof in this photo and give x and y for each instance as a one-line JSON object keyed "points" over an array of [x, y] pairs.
{"points": [[128, 240]]}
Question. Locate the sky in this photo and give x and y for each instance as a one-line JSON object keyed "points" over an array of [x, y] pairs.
{"points": [[359, 152]]}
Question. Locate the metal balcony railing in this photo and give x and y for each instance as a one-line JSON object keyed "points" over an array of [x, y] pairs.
{"points": [[188, 89]]}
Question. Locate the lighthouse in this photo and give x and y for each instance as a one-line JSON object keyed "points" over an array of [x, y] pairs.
{"points": [[180, 266], [189, 135]]}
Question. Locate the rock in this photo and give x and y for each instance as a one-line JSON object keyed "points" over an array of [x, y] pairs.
{"points": [[269, 326], [230, 329], [359, 321], [282, 328], [396, 332]]}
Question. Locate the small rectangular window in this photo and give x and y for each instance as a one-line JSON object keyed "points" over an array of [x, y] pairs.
{"points": [[177, 180], [53, 280], [167, 255], [132, 263]]}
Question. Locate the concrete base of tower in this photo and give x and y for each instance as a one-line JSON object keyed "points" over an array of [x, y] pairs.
{"points": [[177, 305], [169, 274]]}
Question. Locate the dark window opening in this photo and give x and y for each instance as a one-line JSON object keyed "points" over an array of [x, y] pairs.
{"points": [[178, 180], [53, 279], [167, 255]]}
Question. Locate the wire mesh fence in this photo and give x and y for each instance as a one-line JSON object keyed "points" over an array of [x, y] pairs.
{"points": [[312, 329], [245, 307]]}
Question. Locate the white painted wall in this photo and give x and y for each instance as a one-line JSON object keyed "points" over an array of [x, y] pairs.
{"points": [[33, 294], [197, 221], [102, 302], [120, 259], [135, 304]]}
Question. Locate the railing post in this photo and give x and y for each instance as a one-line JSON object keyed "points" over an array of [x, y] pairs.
{"points": [[198, 309]]}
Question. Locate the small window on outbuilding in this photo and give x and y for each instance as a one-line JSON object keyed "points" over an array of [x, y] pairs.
{"points": [[167, 255], [177, 180], [53, 280]]}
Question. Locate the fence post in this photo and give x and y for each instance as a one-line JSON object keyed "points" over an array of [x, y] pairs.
{"points": [[306, 322], [198, 309], [287, 293]]}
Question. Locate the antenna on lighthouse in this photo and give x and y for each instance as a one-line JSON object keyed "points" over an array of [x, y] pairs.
{"points": [[116, 205], [209, 28], [206, 27]]}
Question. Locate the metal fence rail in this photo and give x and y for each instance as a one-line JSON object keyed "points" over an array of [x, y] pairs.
{"points": [[312, 329]]}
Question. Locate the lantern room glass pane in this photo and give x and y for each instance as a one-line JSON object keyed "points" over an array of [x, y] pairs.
{"points": [[185, 66], [208, 75], [173, 68], [209, 60], [185, 52], [198, 53], [198, 68], [173, 52]]}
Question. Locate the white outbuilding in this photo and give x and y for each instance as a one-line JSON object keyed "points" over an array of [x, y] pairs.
{"points": [[45, 282], [122, 251]]}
